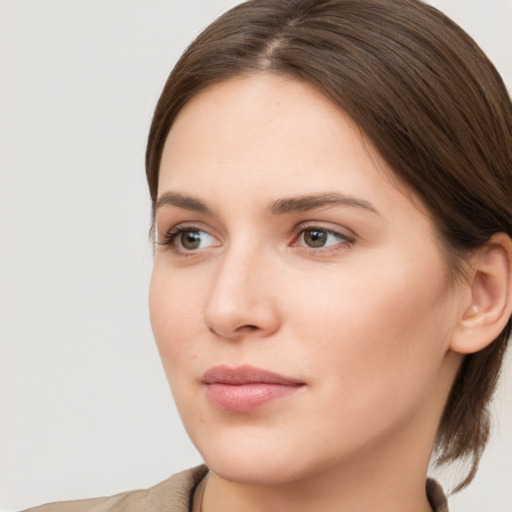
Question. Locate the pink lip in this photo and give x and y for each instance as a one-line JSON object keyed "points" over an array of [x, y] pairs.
{"points": [[245, 388]]}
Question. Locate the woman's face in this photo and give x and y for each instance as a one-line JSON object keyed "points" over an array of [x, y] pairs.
{"points": [[299, 298]]}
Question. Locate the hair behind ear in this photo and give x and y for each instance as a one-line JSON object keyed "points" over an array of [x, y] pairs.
{"points": [[482, 335], [465, 426]]}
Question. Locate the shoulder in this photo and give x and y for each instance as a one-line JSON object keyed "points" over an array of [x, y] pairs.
{"points": [[174, 494], [133, 501]]}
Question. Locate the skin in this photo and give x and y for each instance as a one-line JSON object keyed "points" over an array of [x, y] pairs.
{"points": [[365, 322]]}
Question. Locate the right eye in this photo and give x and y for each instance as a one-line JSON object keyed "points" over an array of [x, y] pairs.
{"points": [[189, 239]]}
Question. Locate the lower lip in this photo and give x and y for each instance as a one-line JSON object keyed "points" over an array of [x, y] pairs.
{"points": [[246, 397]]}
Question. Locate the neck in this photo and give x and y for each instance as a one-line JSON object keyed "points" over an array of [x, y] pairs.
{"points": [[338, 488]]}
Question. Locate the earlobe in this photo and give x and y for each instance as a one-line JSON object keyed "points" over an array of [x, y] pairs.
{"points": [[491, 297]]}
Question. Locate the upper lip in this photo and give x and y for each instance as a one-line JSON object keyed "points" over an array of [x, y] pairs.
{"points": [[246, 375]]}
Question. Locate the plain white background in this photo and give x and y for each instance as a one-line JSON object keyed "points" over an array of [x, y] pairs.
{"points": [[85, 408]]}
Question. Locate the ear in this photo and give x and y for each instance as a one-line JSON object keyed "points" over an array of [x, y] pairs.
{"points": [[486, 316]]}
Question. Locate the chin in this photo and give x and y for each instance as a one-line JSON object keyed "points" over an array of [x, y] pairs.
{"points": [[259, 456], [243, 455], [261, 470]]}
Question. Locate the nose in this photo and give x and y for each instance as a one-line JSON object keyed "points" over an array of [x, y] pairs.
{"points": [[241, 301]]}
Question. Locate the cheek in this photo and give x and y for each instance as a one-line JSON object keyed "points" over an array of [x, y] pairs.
{"points": [[387, 324], [175, 319], [373, 348]]}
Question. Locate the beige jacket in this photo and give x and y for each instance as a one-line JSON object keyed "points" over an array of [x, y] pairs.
{"points": [[172, 495], [175, 495]]}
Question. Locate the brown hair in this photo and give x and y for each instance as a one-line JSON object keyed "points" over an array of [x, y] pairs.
{"points": [[425, 96]]}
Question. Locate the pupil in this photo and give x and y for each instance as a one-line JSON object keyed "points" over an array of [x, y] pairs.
{"points": [[315, 238], [190, 240]]}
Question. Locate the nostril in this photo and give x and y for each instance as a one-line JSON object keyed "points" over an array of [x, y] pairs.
{"points": [[241, 329], [247, 327]]}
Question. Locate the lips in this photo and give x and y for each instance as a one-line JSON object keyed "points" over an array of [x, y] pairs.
{"points": [[246, 388]]}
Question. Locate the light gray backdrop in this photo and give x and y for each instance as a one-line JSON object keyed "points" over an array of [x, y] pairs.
{"points": [[85, 405]]}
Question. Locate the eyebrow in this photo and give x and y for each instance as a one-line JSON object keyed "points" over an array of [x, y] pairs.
{"points": [[311, 202], [181, 201], [277, 207]]}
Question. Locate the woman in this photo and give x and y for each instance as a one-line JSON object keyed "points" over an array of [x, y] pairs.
{"points": [[331, 293]]}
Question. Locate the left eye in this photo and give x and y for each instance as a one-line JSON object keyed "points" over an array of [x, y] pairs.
{"points": [[316, 238]]}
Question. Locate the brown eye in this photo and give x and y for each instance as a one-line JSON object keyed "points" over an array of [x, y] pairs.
{"points": [[184, 239], [190, 240], [315, 238], [321, 238]]}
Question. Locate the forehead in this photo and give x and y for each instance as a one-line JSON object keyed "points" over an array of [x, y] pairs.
{"points": [[266, 132], [257, 119]]}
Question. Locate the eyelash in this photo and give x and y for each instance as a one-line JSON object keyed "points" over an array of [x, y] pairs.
{"points": [[170, 238], [345, 241]]}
